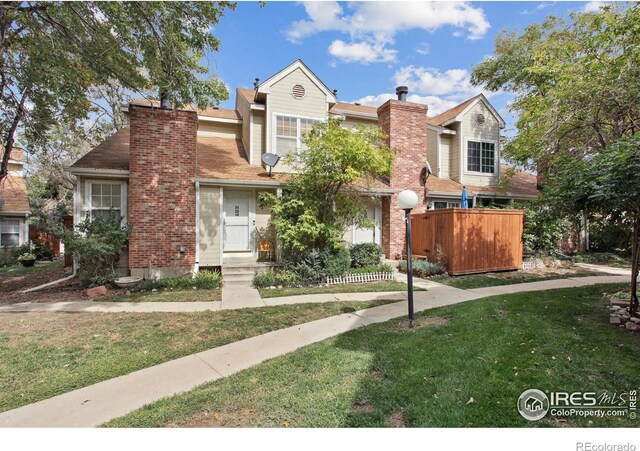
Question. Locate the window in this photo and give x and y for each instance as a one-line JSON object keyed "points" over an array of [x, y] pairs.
{"points": [[481, 157], [289, 133], [106, 198], [10, 232], [441, 205]]}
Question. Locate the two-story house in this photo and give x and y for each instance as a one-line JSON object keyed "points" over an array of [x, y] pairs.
{"points": [[14, 205], [188, 180]]}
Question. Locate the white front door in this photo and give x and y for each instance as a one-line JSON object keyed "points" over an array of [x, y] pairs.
{"points": [[369, 234], [236, 220]]}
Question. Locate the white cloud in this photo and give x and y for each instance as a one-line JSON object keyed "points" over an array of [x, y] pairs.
{"points": [[540, 6], [439, 90], [423, 48], [593, 7], [362, 52], [375, 24]]}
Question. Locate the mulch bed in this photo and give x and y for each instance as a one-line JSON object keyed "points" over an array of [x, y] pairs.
{"points": [[11, 287]]}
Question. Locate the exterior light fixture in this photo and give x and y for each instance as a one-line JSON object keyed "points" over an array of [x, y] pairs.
{"points": [[407, 201]]}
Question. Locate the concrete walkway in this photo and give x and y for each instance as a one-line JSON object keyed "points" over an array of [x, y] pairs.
{"points": [[101, 402]]}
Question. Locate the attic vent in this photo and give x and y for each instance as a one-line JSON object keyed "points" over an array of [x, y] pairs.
{"points": [[298, 91], [480, 119]]}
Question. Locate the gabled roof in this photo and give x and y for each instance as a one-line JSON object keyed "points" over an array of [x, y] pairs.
{"points": [[220, 113], [297, 64], [456, 113], [110, 154], [356, 110], [13, 192]]}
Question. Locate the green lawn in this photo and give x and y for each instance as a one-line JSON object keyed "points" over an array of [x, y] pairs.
{"points": [[46, 354], [513, 277], [369, 287], [19, 270], [168, 295], [490, 350]]}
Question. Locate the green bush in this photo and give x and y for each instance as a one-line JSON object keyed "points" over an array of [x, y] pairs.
{"points": [[365, 254], [423, 268], [335, 261], [274, 278], [309, 269], [97, 245], [369, 269], [205, 280]]}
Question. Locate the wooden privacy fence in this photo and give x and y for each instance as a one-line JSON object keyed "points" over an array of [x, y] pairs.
{"points": [[469, 241]]}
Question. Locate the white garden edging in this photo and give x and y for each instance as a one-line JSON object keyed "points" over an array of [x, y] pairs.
{"points": [[360, 278]]}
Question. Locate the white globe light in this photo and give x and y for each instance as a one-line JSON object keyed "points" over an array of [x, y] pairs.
{"points": [[407, 200]]}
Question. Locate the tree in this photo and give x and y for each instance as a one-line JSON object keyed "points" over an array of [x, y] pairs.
{"points": [[325, 193], [607, 184], [52, 54], [576, 84]]}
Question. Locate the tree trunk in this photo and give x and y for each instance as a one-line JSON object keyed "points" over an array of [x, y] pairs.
{"points": [[635, 258], [11, 137]]}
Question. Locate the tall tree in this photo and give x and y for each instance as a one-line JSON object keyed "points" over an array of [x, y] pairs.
{"points": [[52, 54], [576, 83], [324, 194]]}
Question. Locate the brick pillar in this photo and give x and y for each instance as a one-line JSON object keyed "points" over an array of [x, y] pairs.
{"points": [[406, 127], [162, 197]]}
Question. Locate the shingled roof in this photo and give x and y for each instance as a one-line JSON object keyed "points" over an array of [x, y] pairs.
{"points": [[209, 112], [13, 192], [111, 154]]}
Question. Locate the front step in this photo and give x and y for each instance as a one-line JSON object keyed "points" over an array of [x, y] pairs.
{"points": [[229, 269]]}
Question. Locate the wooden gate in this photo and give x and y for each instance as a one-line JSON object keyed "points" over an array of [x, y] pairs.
{"points": [[468, 240]]}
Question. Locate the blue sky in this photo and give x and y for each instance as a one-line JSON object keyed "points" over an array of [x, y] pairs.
{"points": [[366, 49]]}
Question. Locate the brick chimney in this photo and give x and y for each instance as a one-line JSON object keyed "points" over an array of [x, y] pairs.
{"points": [[405, 124], [162, 197]]}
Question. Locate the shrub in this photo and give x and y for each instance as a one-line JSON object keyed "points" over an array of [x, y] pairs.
{"points": [[308, 269], [365, 254], [206, 280], [423, 268], [370, 269], [273, 278], [335, 261], [97, 245]]}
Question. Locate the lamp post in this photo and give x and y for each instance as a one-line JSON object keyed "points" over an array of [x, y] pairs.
{"points": [[407, 201]]}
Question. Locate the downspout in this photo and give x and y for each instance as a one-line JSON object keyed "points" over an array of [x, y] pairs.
{"points": [[55, 282], [196, 266]]}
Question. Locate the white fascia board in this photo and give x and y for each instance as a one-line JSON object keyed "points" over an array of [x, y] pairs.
{"points": [[229, 182], [104, 172], [354, 114], [257, 106], [297, 64], [442, 130], [484, 100], [219, 119]]}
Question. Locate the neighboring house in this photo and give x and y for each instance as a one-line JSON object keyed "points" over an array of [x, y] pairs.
{"points": [[187, 181], [14, 205]]}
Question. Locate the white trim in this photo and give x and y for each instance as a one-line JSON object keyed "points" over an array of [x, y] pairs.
{"points": [[257, 106], [251, 217], [124, 213], [232, 182], [339, 112], [196, 266], [23, 229], [274, 135], [496, 161], [297, 64], [225, 120], [437, 128], [250, 137], [439, 155], [483, 99], [221, 235], [124, 173]]}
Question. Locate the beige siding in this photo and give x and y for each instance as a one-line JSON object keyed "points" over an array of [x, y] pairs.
{"points": [[454, 154], [351, 122], [281, 100], [220, 130], [258, 136], [210, 226], [432, 151], [445, 155], [490, 130], [244, 109]]}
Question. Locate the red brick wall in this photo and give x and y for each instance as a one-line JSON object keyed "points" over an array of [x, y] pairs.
{"points": [[406, 127], [162, 198]]}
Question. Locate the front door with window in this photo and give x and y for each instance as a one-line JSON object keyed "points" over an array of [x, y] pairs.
{"points": [[369, 234], [236, 221]]}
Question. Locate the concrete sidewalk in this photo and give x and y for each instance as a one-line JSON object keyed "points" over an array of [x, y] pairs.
{"points": [[98, 403]]}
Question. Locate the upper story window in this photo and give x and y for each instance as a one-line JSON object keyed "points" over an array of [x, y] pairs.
{"points": [[10, 232], [481, 157], [289, 133], [106, 198]]}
